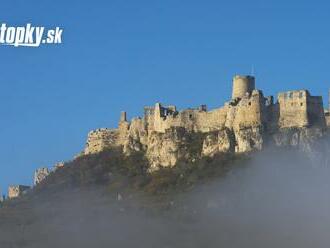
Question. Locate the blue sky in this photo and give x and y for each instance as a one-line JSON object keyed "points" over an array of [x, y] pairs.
{"points": [[122, 55]]}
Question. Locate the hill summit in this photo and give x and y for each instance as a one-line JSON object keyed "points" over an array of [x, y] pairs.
{"points": [[246, 123]]}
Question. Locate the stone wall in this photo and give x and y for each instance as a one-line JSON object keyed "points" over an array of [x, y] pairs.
{"points": [[197, 120], [300, 109], [249, 112], [212, 120], [315, 111], [101, 139], [293, 109], [17, 190]]}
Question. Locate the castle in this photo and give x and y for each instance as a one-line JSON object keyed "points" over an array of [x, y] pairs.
{"points": [[248, 109], [167, 136]]}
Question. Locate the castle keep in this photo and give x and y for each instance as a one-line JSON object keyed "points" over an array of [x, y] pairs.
{"points": [[238, 126]]}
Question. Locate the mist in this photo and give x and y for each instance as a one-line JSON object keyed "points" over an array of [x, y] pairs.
{"points": [[277, 199]]}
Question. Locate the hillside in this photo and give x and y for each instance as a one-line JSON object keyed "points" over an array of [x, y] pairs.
{"points": [[172, 174], [108, 199], [108, 182]]}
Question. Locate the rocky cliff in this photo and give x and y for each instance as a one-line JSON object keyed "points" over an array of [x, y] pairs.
{"points": [[178, 144]]}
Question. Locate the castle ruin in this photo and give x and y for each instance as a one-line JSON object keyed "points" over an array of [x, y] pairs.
{"points": [[166, 135], [247, 109]]}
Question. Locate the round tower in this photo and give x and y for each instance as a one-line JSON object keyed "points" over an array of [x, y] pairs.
{"points": [[242, 85]]}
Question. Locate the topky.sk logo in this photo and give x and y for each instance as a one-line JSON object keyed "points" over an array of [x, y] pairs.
{"points": [[29, 36]]}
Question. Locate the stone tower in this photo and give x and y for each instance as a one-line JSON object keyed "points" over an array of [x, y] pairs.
{"points": [[123, 116], [242, 85]]}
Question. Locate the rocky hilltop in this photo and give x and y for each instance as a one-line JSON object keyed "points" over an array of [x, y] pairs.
{"points": [[247, 122], [182, 170]]}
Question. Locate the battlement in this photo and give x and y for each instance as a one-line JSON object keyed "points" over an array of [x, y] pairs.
{"points": [[299, 109]]}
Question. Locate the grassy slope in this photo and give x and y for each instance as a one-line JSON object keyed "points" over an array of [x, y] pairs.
{"points": [[113, 172]]}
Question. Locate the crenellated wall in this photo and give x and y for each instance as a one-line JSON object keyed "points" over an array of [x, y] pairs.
{"points": [[300, 109], [293, 109]]}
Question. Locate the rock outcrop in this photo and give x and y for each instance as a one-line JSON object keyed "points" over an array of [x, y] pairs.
{"points": [[222, 141], [166, 149], [176, 144], [40, 174], [249, 139], [136, 137], [17, 190], [314, 142]]}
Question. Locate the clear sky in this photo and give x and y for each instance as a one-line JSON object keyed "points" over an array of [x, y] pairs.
{"points": [[122, 55]]}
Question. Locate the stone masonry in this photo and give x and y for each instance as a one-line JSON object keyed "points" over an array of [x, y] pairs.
{"points": [[237, 127]]}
